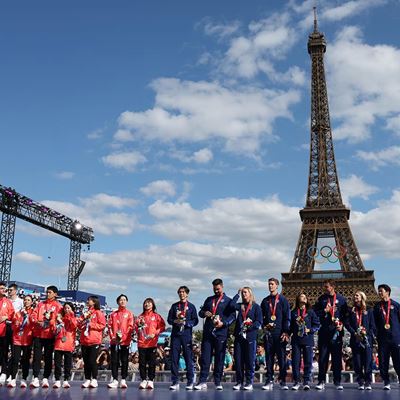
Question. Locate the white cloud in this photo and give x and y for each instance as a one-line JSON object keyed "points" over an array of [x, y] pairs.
{"points": [[381, 158], [363, 83], [159, 188], [202, 156], [123, 135], [355, 186], [94, 135], [220, 30], [64, 175], [187, 111], [349, 9], [27, 257], [97, 212], [99, 286], [127, 160]]}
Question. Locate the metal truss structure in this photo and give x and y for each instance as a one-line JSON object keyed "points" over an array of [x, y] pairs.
{"points": [[324, 215], [14, 205]]}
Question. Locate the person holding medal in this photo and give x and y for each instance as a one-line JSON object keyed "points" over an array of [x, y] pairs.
{"points": [[276, 325], [219, 314], [6, 314], [149, 325], [387, 320], [248, 322], [332, 311], [65, 330], [183, 317], [120, 330], [361, 326], [304, 323], [22, 339], [91, 325], [43, 318]]}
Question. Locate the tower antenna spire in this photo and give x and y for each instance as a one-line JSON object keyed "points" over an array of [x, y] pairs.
{"points": [[315, 19]]}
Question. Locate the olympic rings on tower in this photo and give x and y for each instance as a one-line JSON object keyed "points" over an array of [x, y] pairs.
{"points": [[326, 253]]}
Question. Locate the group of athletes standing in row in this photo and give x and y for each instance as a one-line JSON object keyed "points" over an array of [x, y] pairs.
{"points": [[50, 329]]}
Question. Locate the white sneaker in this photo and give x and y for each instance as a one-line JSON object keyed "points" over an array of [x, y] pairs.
{"points": [[339, 387], [174, 386], [12, 383], [86, 384], [113, 384], [189, 386], [320, 386], [219, 387], [368, 387], [361, 387], [35, 383], [248, 387], [306, 386], [23, 384], [296, 386], [3, 378], [150, 385], [57, 385], [9, 379], [93, 383], [238, 386], [268, 386], [123, 384], [201, 386], [387, 387], [283, 386], [66, 385], [45, 383], [143, 385]]}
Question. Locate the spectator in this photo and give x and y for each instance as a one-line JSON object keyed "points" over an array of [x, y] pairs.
{"points": [[260, 358], [103, 360], [134, 362]]}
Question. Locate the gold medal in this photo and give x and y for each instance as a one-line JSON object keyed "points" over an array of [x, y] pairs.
{"points": [[387, 326], [273, 318], [333, 319]]}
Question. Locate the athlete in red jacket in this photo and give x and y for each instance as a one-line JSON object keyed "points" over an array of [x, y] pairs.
{"points": [[120, 329], [22, 338], [148, 326], [91, 325], [43, 317], [6, 314], [65, 331]]}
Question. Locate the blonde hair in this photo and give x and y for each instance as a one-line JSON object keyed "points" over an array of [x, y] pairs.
{"points": [[252, 298], [363, 299]]}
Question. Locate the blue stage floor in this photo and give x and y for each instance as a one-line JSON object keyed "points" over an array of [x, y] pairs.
{"points": [[162, 392]]}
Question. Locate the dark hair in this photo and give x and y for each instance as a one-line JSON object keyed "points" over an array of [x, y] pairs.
{"points": [[297, 304], [330, 282], [122, 295], [274, 280], [52, 288], [152, 302], [217, 282], [385, 287], [96, 302], [185, 288], [3, 284], [28, 295], [68, 303], [13, 285]]}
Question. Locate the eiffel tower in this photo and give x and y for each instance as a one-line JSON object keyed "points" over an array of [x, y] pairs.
{"points": [[324, 215]]}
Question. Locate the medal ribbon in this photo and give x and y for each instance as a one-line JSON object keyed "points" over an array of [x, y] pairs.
{"points": [[245, 312], [303, 313], [273, 309], [215, 306], [386, 315], [333, 306], [359, 316], [185, 307]]}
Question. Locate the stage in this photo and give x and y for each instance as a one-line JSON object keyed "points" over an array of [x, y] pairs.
{"points": [[162, 392]]}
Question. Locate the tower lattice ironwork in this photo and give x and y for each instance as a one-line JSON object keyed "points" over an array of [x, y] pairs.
{"points": [[324, 215]]}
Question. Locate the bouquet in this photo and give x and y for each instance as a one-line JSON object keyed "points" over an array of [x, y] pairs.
{"points": [[25, 318], [246, 324], [362, 336], [87, 315], [47, 318], [338, 324], [141, 327], [181, 317], [302, 327]]}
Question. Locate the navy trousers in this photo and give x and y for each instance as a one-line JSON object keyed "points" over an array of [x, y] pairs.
{"points": [[300, 351], [245, 359], [274, 346], [362, 362], [208, 346], [184, 343], [335, 350], [385, 351]]}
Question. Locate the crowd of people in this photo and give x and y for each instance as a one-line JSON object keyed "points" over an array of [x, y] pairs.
{"points": [[268, 337]]}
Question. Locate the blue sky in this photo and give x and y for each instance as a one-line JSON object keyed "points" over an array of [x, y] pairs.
{"points": [[179, 131]]}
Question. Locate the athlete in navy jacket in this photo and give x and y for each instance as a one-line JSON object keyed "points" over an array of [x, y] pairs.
{"points": [[276, 324], [332, 311], [303, 324], [219, 314], [387, 320], [361, 325], [183, 317], [248, 322]]}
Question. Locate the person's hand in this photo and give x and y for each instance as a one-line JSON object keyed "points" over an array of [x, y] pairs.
{"points": [[208, 314], [284, 337], [2, 319]]}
